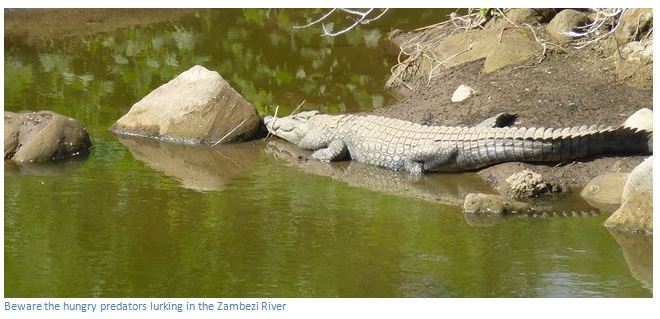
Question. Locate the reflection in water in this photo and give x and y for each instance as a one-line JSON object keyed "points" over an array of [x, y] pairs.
{"points": [[56, 168], [569, 205], [195, 167], [638, 252], [448, 189]]}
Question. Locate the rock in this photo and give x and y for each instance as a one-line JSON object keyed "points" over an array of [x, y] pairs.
{"points": [[462, 93], [395, 39], [635, 214], [634, 66], [490, 204], [13, 122], [496, 176], [511, 51], [196, 107], [522, 16], [641, 120], [43, 136], [527, 183], [470, 46], [604, 191], [639, 180], [633, 25], [564, 22]]}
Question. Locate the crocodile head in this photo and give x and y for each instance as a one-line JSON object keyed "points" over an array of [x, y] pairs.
{"points": [[291, 128]]}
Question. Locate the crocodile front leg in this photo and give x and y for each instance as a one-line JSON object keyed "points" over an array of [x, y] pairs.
{"points": [[336, 150], [428, 158]]}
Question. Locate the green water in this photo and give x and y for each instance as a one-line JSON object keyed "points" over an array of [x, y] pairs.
{"points": [[142, 219]]}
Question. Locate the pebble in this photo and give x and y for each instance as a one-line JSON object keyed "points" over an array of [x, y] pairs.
{"points": [[462, 93]]}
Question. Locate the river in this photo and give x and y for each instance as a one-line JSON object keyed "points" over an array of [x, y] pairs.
{"points": [[145, 219]]}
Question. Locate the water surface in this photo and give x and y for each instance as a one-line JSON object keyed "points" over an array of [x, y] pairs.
{"points": [[140, 219]]}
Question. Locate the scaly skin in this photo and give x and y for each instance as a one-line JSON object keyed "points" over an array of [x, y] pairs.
{"points": [[401, 145]]}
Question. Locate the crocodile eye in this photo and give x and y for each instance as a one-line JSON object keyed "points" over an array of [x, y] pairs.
{"points": [[287, 127]]}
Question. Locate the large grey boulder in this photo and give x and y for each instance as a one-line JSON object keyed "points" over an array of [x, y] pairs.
{"points": [[196, 107], [565, 22], [43, 136], [636, 212]]}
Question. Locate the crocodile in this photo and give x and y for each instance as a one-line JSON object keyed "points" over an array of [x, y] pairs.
{"points": [[415, 148]]}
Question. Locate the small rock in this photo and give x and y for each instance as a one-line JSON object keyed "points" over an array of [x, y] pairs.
{"points": [[633, 25], [489, 204], [196, 107], [641, 120], [604, 191], [462, 93], [564, 22], [527, 183], [43, 136]]}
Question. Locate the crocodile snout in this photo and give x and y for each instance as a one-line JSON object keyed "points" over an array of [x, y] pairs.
{"points": [[269, 121]]}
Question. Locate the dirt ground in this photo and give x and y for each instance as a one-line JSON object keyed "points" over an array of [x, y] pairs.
{"points": [[566, 89]]}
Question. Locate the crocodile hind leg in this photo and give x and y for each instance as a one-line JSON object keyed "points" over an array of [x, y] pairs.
{"points": [[336, 150], [428, 158]]}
